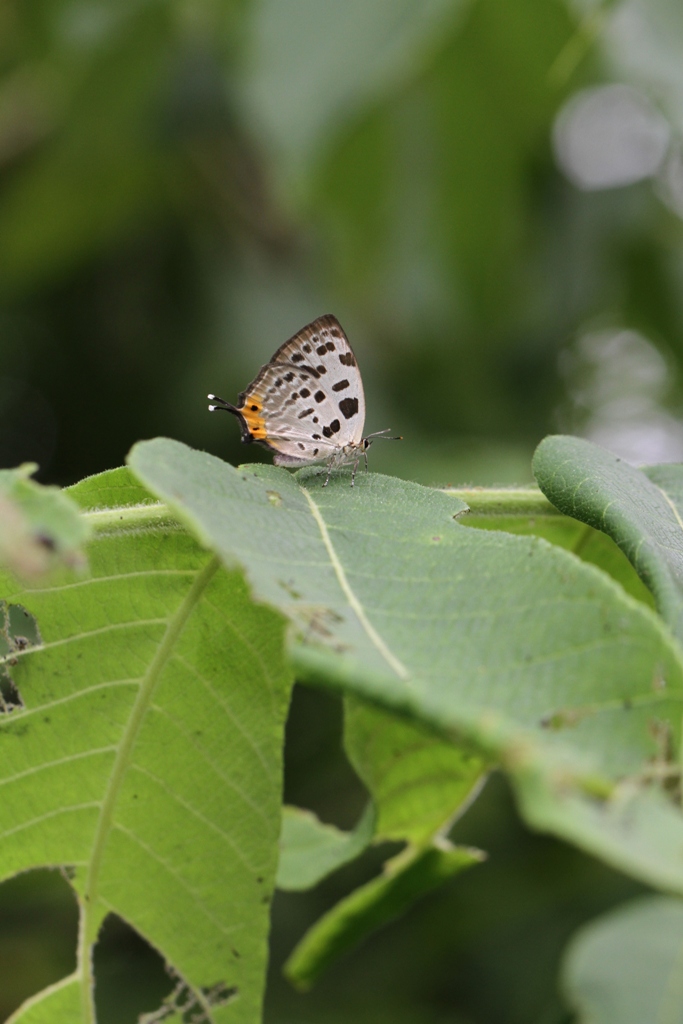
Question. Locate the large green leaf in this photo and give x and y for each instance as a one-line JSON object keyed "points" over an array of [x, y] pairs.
{"points": [[641, 510], [508, 642], [627, 967], [147, 756]]}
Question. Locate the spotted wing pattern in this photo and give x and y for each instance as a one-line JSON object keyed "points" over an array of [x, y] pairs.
{"points": [[307, 403]]}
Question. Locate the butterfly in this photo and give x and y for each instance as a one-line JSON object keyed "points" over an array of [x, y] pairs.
{"points": [[307, 404]]}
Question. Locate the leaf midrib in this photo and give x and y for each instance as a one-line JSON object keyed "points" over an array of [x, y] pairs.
{"points": [[174, 628], [394, 663]]}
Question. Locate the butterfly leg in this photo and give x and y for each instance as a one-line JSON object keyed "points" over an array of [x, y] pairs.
{"points": [[330, 467], [353, 474]]}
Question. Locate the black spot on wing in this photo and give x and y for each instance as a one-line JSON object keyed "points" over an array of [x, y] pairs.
{"points": [[335, 426], [319, 396], [327, 432], [349, 407], [306, 347], [289, 377], [346, 358], [307, 370], [321, 350], [341, 385], [304, 414], [330, 344], [304, 392], [297, 357], [321, 369]]}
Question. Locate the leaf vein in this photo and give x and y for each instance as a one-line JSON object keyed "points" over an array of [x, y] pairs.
{"points": [[175, 875], [53, 764], [372, 634], [225, 836]]}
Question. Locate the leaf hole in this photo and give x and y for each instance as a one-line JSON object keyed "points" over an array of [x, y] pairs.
{"points": [[131, 978], [182, 1004], [18, 633], [38, 935]]}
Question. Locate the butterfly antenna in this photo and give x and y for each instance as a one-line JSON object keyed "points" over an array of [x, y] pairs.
{"points": [[382, 434], [220, 403]]}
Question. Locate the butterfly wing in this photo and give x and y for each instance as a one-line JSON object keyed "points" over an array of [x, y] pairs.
{"points": [[308, 401]]}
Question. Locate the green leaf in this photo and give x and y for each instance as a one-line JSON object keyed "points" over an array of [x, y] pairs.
{"points": [[310, 850], [147, 757], [110, 491], [511, 644], [418, 782], [404, 880], [626, 967], [40, 527], [634, 827], [640, 510], [526, 511]]}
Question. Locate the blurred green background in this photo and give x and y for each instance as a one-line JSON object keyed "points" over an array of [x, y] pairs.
{"points": [[489, 196]]}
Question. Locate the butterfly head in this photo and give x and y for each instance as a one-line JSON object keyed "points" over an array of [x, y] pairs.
{"points": [[367, 441]]}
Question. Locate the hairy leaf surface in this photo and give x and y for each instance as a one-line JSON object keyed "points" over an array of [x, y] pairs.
{"points": [[528, 512]]}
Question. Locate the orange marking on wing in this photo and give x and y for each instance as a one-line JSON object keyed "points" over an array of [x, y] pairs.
{"points": [[251, 411]]}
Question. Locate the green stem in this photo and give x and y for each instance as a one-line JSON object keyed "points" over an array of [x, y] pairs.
{"points": [[121, 763], [493, 501], [505, 501], [584, 536], [128, 517]]}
